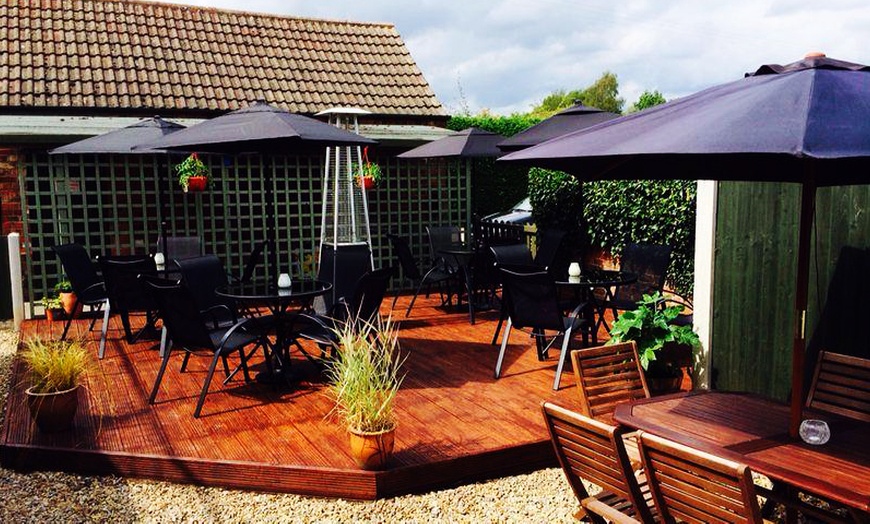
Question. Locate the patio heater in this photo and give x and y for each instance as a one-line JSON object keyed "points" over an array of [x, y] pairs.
{"points": [[345, 236]]}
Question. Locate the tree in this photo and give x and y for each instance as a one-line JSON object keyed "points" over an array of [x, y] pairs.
{"points": [[647, 99], [602, 94]]}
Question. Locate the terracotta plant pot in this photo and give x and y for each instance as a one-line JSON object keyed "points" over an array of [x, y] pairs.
{"points": [[68, 299], [366, 183], [54, 411], [197, 183], [371, 451], [53, 314]]}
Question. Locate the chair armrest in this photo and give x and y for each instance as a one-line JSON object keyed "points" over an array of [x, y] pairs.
{"points": [[593, 505], [94, 287], [238, 325], [211, 311]]}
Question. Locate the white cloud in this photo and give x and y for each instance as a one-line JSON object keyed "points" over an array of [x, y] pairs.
{"points": [[508, 54]]}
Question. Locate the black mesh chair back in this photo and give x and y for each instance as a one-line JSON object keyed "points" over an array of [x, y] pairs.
{"points": [[255, 258], [180, 248], [443, 237], [402, 251], [650, 263], [202, 275], [513, 254], [365, 304], [533, 300], [180, 312], [126, 293], [549, 243], [80, 271]]}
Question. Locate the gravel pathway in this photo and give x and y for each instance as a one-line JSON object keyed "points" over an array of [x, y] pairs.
{"points": [[44, 497]]}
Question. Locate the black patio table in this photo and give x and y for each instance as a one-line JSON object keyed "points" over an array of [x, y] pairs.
{"points": [[285, 305], [584, 286]]}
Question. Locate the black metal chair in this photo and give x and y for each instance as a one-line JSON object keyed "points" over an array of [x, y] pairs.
{"points": [[436, 275], [88, 287], [363, 308], [650, 263], [126, 293], [507, 256], [532, 302], [187, 329]]}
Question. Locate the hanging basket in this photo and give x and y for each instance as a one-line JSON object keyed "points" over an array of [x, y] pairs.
{"points": [[366, 182]]}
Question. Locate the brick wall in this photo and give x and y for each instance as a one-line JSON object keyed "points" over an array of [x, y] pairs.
{"points": [[10, 199]]}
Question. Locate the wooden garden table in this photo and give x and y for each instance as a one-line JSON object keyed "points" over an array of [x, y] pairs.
{"points": [[754, 430]]}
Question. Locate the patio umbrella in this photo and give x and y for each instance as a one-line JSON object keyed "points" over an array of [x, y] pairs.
{"points": [[807, 122], [261, 128], [124, 140], [468, 143], [258, 128], [574, 118]]}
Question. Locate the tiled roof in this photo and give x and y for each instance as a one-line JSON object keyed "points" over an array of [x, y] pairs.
{"points": [[169, 58]]}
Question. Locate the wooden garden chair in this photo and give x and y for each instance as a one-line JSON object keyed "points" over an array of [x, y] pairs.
{"points": [[607, 376], [841, 385], [689, 485], [591, 450]]}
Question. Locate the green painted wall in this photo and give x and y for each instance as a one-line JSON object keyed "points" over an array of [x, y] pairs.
{"points": [[754, 282]]}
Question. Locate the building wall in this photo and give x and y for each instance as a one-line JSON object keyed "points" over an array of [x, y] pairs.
{"points": [[10, 197]]}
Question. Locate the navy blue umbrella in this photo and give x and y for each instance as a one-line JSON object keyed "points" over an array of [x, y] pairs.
{"points": [[806, 122], [567, 121], [468, 143], [124, 140]]}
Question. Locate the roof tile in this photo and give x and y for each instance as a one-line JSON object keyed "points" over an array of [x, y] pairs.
{"points": [[106, 53]]}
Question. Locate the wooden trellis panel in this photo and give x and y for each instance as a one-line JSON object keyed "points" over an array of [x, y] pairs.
{"points": [[115, 204]]}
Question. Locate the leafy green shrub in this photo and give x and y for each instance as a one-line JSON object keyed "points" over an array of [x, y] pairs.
{"points": [[646, 211], [556, 198]]}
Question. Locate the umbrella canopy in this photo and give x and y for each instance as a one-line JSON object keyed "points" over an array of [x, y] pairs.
{"points": [[806, 122], [259, 127], [574, 118], [468, 143], [124, 140], [763, 127]]}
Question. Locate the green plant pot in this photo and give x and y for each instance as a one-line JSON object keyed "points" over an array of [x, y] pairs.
{"points": [[55, 411]]}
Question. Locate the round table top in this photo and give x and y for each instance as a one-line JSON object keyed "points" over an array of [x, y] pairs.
{"points": [[261, 289], [598, 278]]}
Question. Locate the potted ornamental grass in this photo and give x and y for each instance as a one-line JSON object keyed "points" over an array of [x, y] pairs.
{"points": [[193, 174], [55, 369], [364, 379], [663, 345]]}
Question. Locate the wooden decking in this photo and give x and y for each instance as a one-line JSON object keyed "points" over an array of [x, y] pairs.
{"points": [[457, 423]]}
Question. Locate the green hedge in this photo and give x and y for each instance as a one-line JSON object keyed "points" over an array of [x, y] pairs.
{"points": [[646, 211]]}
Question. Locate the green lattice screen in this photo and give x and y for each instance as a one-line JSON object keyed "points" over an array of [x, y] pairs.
{"points": [[115, 203]]}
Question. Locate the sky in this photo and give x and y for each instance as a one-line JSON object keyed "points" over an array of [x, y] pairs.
{"points": [[505, 56]]}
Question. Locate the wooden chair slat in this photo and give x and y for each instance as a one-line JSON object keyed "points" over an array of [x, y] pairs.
{"points": [[841, 385]]}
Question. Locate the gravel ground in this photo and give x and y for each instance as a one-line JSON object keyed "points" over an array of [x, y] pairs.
{"points": [[44, 497]]}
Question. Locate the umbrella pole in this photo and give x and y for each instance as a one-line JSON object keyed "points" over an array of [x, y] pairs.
{"points": [[799, 346]]}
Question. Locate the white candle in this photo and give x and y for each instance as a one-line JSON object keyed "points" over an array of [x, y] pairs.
{"points": [[284, 280]]}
